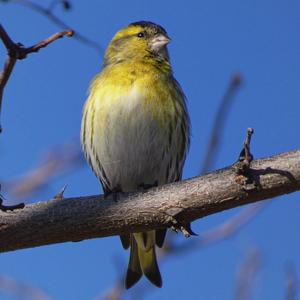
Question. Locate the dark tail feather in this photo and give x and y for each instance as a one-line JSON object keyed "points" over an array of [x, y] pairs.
{"points": [[134, 271], [125, 239], [160, 235], [149, 265]]}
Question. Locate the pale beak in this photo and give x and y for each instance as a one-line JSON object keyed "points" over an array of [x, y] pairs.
{"points": [[159, 41]]}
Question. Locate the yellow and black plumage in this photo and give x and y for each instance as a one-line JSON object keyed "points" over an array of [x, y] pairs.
{"points": [[135, 129]]}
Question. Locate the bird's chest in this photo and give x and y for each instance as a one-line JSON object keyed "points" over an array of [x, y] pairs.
{"points": [[132, 132], [134, 116]]}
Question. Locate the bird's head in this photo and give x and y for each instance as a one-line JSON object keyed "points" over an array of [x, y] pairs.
{"points": [[137, 41]]}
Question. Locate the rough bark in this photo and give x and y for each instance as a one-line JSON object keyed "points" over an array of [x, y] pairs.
{"points": [[73, 219]]}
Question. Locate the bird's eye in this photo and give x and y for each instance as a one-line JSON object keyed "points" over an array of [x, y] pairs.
{"points": [[141, 34]]}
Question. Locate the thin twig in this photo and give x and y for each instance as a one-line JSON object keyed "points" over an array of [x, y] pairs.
{"points": [[245, 156], [221, 232], [218, 125], [4, 76], [18, 51], [21, 290], [56, 162], [248, 155], [247, 274], [60, 194], [46, 42], [117, 290], [48, 13], [244, 176], [291, 282], [66, 4]]}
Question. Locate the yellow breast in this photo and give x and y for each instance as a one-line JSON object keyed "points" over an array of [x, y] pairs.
{"points": [[128, 86]]}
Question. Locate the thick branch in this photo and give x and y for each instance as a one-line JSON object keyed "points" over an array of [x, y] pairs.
{"points": [[74, 219]]}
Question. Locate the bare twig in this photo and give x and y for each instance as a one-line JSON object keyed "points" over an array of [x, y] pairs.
{"points": [[231, 226], [48, 13], [215, 235], [245, 158], [248, 155], [291, 282], [246, 275], [114, 293], [244, 176], [54, 163], [117, 290], [66, 4], [18, 51], [4, 76], [218, 125], [21, 290], [46, 42], [60, 194], [181, 202]]}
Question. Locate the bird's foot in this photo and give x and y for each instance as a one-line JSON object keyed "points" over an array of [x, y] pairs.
{"points": [[185, 229], [177, 226], [10, 207], [146, 186], [114, 193]]}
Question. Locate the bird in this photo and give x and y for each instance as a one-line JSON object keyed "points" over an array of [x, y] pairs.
{"points": [[135, 130]]}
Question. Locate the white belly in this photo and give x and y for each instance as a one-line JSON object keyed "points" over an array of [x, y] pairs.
{"points": [[131, 145]]}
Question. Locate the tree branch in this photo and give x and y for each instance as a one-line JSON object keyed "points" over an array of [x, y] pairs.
{"points": [[219, 121], [247, 274], [20, 290], [48, 13], [291, 282], [75, 219], [17, 51], [54, 163]]}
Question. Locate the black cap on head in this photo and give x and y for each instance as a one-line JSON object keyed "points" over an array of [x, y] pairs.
{"points": [[148, 24]]}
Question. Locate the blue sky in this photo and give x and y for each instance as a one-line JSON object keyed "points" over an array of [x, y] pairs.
{"points": [[211, 40]]}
